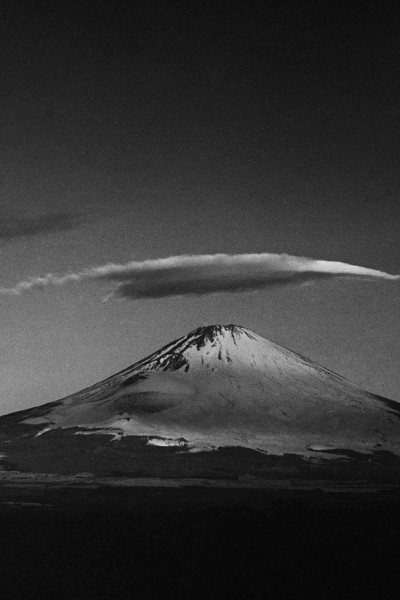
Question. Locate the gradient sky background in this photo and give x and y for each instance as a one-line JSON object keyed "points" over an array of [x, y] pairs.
{"points": [[143, 130]]}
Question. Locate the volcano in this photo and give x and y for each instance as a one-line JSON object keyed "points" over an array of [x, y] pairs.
{"points": [[221, 399]]}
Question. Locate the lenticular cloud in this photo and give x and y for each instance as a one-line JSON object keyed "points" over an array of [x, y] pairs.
{"points": [[204, 274]]}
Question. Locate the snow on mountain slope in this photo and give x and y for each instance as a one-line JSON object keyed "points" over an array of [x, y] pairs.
{"points": [[226, 386]]}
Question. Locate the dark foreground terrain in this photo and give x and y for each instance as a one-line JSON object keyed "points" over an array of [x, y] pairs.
{"points": [[100, 542]]}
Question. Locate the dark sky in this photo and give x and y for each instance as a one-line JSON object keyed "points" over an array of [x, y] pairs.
{"points": [[147, 129]]}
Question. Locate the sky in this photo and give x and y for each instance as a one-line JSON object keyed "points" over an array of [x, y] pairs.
{"points": [[133, 132]]}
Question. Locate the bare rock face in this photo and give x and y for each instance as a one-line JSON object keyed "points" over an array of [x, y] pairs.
{"points": [[216, 389]]}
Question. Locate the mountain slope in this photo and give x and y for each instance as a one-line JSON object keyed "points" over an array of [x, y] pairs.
{"points": [[221, 387]]}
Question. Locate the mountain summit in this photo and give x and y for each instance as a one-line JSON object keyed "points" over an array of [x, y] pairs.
{"points": [[220, 387]]}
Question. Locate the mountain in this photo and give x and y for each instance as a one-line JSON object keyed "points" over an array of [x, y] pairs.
{"points": [[220, 393]]}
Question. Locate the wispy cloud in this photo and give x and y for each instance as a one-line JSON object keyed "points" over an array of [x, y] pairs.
{"points": [[204, 274], [13, 226]]}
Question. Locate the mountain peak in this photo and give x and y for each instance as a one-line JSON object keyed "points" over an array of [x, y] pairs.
{"points": [[203, 345], [211, 333], [214, 342], [215, 330]]}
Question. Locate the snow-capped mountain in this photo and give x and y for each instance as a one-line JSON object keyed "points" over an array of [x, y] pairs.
{"points": [[223, 386]]}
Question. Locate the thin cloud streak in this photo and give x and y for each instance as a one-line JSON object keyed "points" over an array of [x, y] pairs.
{"points": [[204, 274], [14, 227]]}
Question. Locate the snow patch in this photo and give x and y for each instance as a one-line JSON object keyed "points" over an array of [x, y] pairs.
{"points": [[320, 448], [94, 432], [43, 431], [117, 434], [196, 449], [167, 442]]}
